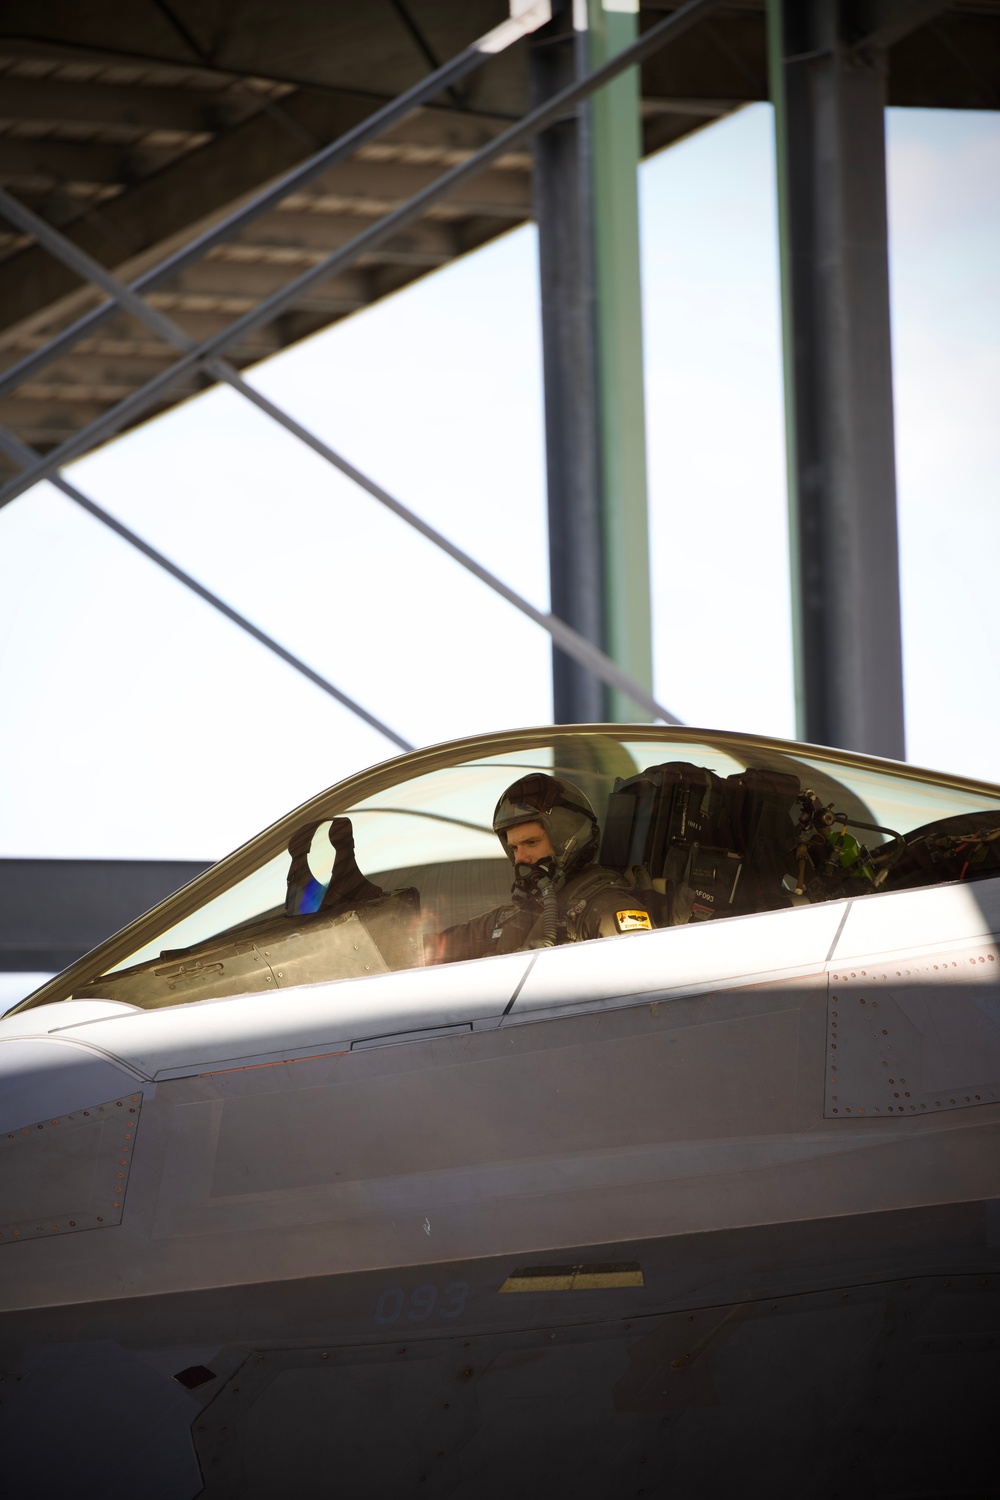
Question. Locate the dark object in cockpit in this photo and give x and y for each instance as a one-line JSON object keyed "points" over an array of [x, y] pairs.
{"points": [[347, 888], [965, 846], [347, 929], [708, 846]]}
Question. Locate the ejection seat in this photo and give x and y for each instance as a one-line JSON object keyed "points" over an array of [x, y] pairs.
{"points": [[700, 845]]}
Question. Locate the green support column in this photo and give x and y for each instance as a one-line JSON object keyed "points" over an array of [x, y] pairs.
{"points": [[615, 143]]}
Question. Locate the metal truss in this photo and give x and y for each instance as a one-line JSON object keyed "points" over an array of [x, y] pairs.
{"points": [[21, 453], [208, 355]]}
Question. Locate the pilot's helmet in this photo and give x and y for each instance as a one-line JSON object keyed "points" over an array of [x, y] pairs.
{"points": [[563, 811]]}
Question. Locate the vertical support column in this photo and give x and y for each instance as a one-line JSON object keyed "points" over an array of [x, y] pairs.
{"points": [[586, 208], [616, 153], [562, 203], [829, 118]]}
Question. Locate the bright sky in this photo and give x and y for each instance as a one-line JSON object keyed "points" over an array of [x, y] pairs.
{"points": [[139, 723]]}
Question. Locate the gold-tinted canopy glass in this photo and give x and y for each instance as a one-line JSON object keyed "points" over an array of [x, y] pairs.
{"points": [[297, 904]]}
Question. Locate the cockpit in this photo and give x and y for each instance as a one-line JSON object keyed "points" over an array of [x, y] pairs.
{"points": [[703, 826]]}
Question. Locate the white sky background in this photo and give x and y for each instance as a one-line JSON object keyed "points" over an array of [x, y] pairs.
{"points": [[139, 723]]}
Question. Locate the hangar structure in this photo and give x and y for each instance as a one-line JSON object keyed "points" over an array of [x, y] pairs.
{"points": [[187, 188]]}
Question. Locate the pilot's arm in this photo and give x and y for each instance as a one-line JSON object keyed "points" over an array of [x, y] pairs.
{"points": [[502, 930], [612, 912], [510, 929], [471, 939]]}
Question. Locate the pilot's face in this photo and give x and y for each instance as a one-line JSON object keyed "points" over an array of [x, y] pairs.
{"points": [[528, 843]]}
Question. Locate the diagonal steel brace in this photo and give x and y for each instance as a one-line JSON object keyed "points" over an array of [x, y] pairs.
{"points": [[574, 644], [460, 66], [132, 406], [21, 453]]}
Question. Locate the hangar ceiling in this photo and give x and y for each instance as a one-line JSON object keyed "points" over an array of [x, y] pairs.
{"points": [[131, 125]]}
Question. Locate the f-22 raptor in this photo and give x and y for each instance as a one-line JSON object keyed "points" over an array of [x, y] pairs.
{"points": [[701, 1210]]}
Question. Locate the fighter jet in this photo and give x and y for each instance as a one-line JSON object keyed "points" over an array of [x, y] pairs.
{"points": [[709, 1208]]}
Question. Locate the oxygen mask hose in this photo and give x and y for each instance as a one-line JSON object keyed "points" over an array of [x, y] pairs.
{"points": [[540, 879], [550, 913]]}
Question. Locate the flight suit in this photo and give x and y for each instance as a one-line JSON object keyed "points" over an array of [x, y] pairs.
{"points": [[593, 903]]}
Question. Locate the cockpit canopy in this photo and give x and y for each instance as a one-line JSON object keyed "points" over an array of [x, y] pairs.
{"points": [[706, 826]]}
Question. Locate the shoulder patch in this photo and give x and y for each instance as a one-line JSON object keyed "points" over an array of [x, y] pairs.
{"points": [[633, 921]]}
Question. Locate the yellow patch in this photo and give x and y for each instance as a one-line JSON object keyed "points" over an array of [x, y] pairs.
{"points": [[633, 921]]}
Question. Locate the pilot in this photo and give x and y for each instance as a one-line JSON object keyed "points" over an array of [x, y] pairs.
{"points": [[560, 894]]}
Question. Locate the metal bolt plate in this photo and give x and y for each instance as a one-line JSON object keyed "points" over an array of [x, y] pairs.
{"points": [[916, 1036]]}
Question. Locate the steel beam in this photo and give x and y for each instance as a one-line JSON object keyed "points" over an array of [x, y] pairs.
{"points": [[20, 453], [562, 208], [233, 149], [675, 25], [207, 354], [829, 120], [616, 150], [577, 646], [132, 108], [52, 911], [881, 23], [586, 208]]}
